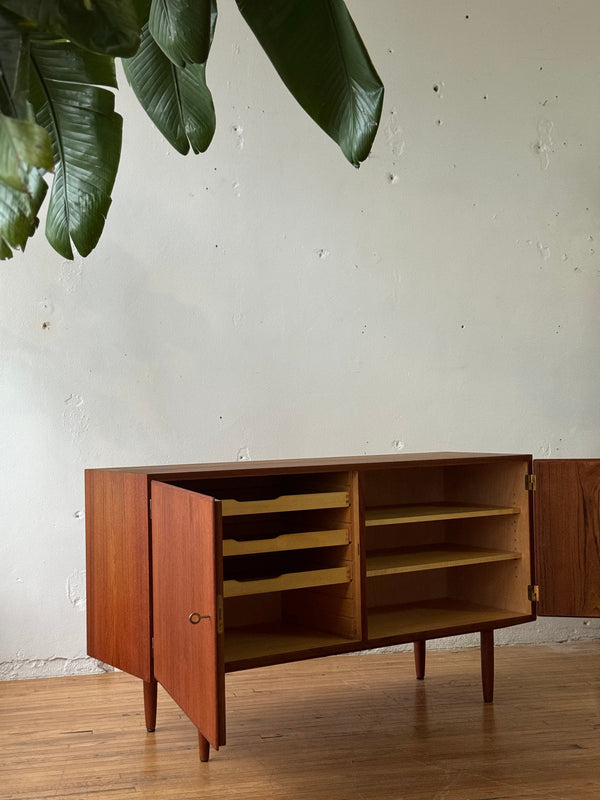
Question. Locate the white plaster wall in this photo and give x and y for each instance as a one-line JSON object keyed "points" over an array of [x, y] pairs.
{"points": [[266, 300]]}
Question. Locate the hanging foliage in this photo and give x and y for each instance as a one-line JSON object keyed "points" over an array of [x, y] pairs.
{"points": [[57, 82]]}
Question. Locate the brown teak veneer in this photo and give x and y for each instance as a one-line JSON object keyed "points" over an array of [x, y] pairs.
{"points": [[119, 619], [198, 570], [188, 626], [568, 537]]}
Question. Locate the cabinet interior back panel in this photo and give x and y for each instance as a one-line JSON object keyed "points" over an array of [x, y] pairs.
{"points": [[501, 483], [392, 590], [263, 487], [403, 486], [502, 585]]}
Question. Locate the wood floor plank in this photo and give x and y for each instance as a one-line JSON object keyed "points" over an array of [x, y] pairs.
{"points": [[357, 727]]}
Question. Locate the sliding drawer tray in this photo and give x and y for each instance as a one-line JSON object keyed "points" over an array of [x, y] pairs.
{"points": [[290, 580], [286, 502], [286, 541]]}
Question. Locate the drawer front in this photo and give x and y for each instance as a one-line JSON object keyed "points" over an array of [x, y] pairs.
{"points": [[288, 502], [292, 580], [286, 541]]}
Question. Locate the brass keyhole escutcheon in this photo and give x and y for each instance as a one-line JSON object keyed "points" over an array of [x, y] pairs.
{"points": [[195, 617]]}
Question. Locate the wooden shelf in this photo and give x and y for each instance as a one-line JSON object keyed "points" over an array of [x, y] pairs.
{"points": [[287, 502], [431, 512], [290, 580], [391, 562], [286, 541], [432, 615], [272, 638]]}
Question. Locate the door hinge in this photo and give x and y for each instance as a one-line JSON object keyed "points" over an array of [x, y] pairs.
{"points": [[530, 483], [152, 643], [150, 508], [533, 594]]}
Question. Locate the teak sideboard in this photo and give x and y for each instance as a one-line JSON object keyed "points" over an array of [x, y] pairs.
{"points": [[198, 570]]}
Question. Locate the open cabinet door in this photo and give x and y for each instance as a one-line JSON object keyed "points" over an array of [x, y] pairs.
{"points": [[188, 605], [567, 537]]}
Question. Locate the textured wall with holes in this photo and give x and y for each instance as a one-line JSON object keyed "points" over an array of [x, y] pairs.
{"points": [[266, 300]]}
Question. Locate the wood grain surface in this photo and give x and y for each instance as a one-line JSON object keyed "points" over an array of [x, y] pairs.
{"points": [[187, 570], [567, 537], [118, 570], [344, 728]]}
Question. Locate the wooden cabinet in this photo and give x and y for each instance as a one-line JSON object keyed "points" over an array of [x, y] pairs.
{"points": [[195, 571]]}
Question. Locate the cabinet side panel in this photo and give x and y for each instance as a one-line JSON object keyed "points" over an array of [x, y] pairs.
{"points": [[118, 571], [567, 533]]}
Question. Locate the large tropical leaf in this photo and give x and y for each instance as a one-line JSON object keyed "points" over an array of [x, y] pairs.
{"points": [[103, 26], [317, 51], [14, 65], [85, 132], [183, 29], [23, 144], [18, 212], [176, 99]]}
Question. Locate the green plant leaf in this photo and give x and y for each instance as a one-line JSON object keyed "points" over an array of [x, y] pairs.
{"points": [[319, 55], [103, 26], [183, 29], [23, 145], [10, 53], [176, 99], [142, 10], [86, 134], [18, 212], [14, 66]]}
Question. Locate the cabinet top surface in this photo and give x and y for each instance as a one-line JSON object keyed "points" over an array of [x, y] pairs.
{"points": [[320, 464]]}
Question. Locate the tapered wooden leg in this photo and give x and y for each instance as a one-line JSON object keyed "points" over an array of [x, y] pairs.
{"points": [[204, 747], [487, 665], [150, 692], [420, 659]]}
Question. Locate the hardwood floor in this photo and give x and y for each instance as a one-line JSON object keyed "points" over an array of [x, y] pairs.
{"points": [[345, 727]]}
